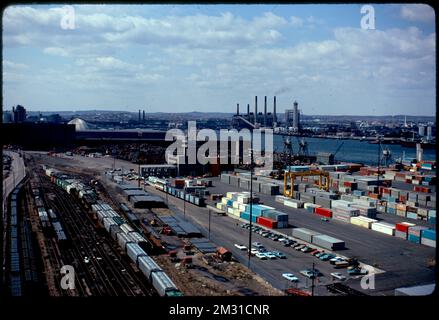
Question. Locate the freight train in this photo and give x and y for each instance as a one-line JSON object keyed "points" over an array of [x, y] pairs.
{"points": [[129, 240]]}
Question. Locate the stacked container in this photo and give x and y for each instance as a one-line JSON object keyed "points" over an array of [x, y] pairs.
{"points": [[428, 238], [414, 234], [401, 229]]}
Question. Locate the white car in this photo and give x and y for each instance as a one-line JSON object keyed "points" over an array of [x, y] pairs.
{"points": [[270, 255], [338, 276], [261, 255], [253, 251], [290, 277], [240, 246]]}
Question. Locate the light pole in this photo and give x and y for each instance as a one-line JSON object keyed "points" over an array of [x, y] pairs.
{"points": [[184, 202], [209, 223], [138, 160], [251, 203]]}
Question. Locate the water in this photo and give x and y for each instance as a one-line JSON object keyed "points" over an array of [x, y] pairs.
{"points": [[352, 150]]}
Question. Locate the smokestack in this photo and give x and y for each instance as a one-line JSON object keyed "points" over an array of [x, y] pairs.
{"points": [[265, 111], [139, 115], [237, 109], [248, 109], [274, 110], [143, 115], [256, 109]]}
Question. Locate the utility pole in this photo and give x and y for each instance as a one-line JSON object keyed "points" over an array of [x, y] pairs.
{"points": [[313, 277], [378, 167], [209, 224], [184, 202], [251, 202], [138, 161]]}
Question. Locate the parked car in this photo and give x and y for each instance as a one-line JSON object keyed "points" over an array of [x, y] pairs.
{"points": [[290, 277], [341, 264], [263, 250], [288, 243], [244, 225], [338, 275], [335, 259], [306, 249], [270, 255], [310, 273], [253, 251], [319, 254], [298, 248], [265, 234], [357, 271], [257, 245], [326, 257], [314, 252], [279, 254], [261, 256], [240, 246]]}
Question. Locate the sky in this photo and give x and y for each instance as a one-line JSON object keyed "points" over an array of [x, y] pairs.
{"points": [[208, 58]]}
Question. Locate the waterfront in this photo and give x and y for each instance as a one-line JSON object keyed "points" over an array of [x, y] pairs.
{"points": [[351, 150]]}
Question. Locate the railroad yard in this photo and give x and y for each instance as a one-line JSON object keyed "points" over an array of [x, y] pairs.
{"points": [[128, 241]]}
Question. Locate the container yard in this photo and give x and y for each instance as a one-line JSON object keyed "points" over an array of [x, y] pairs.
{"points": [[332, 229]]}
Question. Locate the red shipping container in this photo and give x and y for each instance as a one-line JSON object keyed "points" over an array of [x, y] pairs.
{"points": [[402, 227], [347, 184], [402, 198], [266, 222], [323, 212]]}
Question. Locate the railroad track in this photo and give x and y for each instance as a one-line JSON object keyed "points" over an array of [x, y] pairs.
{"points": [[110, 276]]}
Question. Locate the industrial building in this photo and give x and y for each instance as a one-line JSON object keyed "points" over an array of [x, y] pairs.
{"points": [[255, 119], [292, 117]]}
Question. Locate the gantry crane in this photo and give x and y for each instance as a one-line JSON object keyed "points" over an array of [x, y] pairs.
{"points": [[291, 176]]}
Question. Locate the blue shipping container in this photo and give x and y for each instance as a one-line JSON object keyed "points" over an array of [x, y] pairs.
{"points": [[429, 234], [414, 239], [246, 216]]}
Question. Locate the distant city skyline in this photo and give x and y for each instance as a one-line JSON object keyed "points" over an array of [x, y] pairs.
{"points": [[174, 58]]}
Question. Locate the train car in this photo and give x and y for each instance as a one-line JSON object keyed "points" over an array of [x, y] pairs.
{"points": [[134, 252], [163, 284], [147, 265]]}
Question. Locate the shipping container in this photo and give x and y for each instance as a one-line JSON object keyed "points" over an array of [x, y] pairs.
{"points": [[383, 227], [323, 212], [328, 242], [304, 234]]}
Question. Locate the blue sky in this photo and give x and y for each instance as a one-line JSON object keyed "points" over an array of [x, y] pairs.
{"points": [[179, 58]]}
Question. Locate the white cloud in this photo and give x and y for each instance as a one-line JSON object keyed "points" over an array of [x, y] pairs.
{"points": [[296, 21], [418, 12], [56, 51]]}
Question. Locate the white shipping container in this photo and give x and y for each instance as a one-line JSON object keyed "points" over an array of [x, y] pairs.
{"points": [[385, 228]]}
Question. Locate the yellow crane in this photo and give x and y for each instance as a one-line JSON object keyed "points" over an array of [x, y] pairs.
{"points": [[291, 177]]}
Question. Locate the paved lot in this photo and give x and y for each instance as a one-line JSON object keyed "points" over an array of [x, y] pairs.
{"points": [[405, 263]]}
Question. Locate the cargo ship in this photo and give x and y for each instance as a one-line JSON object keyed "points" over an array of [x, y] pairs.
{"points": [[412, 144]]}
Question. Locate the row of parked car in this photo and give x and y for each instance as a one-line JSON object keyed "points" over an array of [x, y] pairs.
{"points": [[351, 264]]}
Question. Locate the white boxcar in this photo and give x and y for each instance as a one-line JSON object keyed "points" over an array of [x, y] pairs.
{"points": [[162, 283], [147, 265], [134, 251]]}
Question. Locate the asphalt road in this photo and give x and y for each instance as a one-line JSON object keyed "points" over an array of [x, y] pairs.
{"points": [[16, 174]]}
